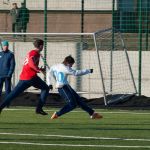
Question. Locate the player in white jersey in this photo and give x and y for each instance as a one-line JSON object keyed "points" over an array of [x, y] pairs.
{"points": [[60, 73]]}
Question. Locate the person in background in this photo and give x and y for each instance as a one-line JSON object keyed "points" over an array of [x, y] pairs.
{"points": [[60, 73], [23, 17], [14, 12], [7, 67]]}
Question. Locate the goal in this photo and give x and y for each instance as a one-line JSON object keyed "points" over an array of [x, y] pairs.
{"points": [[114, 65], [103, 51]]}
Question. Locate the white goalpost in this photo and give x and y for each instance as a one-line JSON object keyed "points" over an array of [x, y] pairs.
{"points": [[112, 78], [116, 73]]}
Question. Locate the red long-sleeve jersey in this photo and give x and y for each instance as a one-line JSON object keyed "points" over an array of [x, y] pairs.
{"points": [[30, 67]]}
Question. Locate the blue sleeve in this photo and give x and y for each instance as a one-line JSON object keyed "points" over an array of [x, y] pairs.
{"points": [[12, 66]]}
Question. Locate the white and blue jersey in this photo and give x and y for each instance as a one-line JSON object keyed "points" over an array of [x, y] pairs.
{"points": [[60, 73]]}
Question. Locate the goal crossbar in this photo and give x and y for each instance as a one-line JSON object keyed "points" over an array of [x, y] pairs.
{"points": [[19, 33]]}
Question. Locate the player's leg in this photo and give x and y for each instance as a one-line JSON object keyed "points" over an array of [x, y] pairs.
{"points": [[1, 85], [13, 27], [69, 98], [17, 27], [37, 82], [84, 106], [24, 28], [21, 86], [80, 102], [7, 87]]}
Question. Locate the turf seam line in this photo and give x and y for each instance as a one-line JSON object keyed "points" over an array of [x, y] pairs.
{"points": [[75, 137], [125, 112], [73, 145]]}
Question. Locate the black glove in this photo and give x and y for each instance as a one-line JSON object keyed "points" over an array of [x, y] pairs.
{"points": [[91, 70], [50, 87]]}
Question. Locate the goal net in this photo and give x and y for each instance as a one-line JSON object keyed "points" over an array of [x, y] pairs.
{"points": [[103, 51], [57, 47], [116, 73]]}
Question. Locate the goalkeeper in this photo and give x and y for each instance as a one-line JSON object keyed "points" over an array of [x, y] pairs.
{"points": [[60, 73]]}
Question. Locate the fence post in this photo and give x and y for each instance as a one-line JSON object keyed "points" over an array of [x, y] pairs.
{"points": [[79, 48], [111, 53], [147, 24], [45, 36], [82, 16], [140, 45]]}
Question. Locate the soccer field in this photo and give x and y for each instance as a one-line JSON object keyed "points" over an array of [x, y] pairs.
{"points": [[22, 129]]}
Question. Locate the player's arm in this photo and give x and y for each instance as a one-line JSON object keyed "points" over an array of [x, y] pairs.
{"points": [[78, 72], [32, 64]]}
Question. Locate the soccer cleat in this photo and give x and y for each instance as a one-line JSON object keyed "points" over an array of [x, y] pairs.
{"points": [[96, 116], [41, 112], [54, 116]]}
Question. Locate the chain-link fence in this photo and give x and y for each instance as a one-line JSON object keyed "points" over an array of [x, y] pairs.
{"points": [[131, 17], [59, 15]]}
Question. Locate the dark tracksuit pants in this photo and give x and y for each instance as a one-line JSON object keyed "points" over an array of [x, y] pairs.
{"points": [[72, 99], [7, 85], [22, 85]]}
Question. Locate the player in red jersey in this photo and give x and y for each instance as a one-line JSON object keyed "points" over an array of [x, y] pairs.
{"points": [[28, 78]]}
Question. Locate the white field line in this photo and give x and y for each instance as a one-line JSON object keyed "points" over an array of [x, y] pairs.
{"points": [[121, 112], [75, 137], [73, 145]]}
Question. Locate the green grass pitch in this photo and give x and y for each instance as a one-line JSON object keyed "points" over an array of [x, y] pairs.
{"points": [[22, 129]]}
